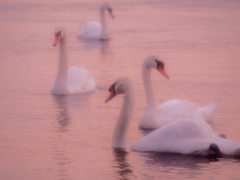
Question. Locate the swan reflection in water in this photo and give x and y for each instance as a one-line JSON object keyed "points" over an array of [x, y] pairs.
{"points": [[59, 152], [123, 167], [175, 164], [63, 116], [175, 160], [93, 44]]}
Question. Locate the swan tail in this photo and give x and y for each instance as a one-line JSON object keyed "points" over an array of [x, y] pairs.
{"points": [[208, 111]]}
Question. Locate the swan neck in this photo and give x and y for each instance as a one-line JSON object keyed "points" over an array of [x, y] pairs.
{"points": [[104, 33], [122, 125], [146, 76], [102, 16], [63, 60]]}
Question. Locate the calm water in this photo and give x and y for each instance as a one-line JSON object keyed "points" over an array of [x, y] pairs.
{"points": [[69, 137]]}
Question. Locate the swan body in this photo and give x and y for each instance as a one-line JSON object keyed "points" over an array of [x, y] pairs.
{"points": [[170, 111], [95, 30], [72, 80], [187, 136], [176, 109], [90, 30]]}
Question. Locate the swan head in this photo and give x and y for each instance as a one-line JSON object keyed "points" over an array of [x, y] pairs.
{"points": [[156, 63], [120, 86], [60, 33], [214, 151], [108, 8]]}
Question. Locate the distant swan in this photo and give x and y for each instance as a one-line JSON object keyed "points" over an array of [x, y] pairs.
{"points": [[96, 30], [74, 80], [183, 136], [171, 110]]}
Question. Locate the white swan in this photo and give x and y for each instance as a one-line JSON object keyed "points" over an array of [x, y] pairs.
{"points": [[96, 30], [171, 110], [74, 80], [183, 136]]}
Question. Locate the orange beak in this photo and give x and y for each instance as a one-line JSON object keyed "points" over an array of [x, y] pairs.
{"points": [[111, 95], [111, 14], [163, 72], [56, 41]]}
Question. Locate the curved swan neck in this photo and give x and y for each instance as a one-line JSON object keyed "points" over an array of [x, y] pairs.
{"points": [[122, 125], [63, 59], [146, 76], [104, 33], [60, 86], [102, 15]]}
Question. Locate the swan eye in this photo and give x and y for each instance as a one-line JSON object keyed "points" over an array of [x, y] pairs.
{"points": [[58, 33], [159, 63], [112, 87]]}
